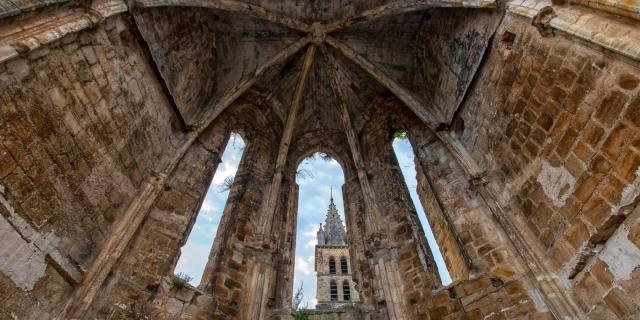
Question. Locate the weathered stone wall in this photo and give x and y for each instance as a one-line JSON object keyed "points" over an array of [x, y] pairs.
{"points": [[154, 252], [449, 241], [83, 124], [497, 272], [345, 313], [93, 156], [355, 222], [555, 122]]}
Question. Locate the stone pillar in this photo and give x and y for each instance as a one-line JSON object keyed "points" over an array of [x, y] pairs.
{"points": [[285, 224]]}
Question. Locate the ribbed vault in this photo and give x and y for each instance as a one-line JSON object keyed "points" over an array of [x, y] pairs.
{"points": [[522, 117]]}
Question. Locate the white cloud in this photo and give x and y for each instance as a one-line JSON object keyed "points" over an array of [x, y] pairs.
{"points": [[312, 231], [225, 169], [311, 244], [303, 266], [207, 206], [208, 211]]}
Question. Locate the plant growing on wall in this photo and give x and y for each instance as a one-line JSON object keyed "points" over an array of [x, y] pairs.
{"points": [[295, 305], [226, 184], [180, 280]]}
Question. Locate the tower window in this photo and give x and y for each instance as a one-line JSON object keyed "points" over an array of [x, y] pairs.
{"points": [[344, 268], [333, 288], [346, 291], [332, 265]]}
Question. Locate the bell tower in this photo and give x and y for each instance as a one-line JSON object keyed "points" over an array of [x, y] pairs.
{"points": [[334, 278]]}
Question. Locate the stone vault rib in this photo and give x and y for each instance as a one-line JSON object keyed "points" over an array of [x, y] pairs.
{"points": [[396, 309], [285, 142], [157, 72], [352, 138], [232, 6], [433, 121], [418, 107], [239, 89], [268, 210], [79, 304], [399, 7]]}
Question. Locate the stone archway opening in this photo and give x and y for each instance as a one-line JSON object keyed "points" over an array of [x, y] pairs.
{"points": [[322, 242], [404, 153], [195, 253]]}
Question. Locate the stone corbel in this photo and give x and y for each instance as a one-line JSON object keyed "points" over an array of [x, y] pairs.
{"points": [[376, 240], [542, 21], [43, 29]]}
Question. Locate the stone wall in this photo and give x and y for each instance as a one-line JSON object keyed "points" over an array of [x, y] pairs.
{"points": [[154, 252], [345, 313], [555, 123], [493, 268], [532, 187], [83, 125]]}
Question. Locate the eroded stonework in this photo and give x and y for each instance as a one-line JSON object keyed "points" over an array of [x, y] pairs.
{"points": [[524, 117]]}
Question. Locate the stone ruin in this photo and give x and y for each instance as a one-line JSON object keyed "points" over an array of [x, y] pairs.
{"points": [[524, 117]]}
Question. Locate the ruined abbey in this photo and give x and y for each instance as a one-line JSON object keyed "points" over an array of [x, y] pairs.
{"points": [[523, 115]]}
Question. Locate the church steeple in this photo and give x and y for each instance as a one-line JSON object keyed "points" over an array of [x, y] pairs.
{"points": [[334, 232]]}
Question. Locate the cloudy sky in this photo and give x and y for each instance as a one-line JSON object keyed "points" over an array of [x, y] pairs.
{"points": [[317, 178]]}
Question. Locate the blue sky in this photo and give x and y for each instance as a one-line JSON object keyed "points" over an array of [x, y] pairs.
{"points": [[315, 190]]}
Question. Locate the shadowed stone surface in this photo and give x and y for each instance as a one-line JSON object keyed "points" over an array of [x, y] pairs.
{"points": [[524, 118]]}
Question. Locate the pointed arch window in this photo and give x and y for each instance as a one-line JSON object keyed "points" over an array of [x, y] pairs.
{"points": [[344, 267], [346, 291], [405, 156], [193, 260], [333, 290], [332, 265]]}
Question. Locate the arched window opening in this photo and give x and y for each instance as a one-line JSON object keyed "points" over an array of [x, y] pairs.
{"points": [[194, 254], [332, 265], [321, 236], [406, 160], [344, 268], [346, 291], [333, 291]]}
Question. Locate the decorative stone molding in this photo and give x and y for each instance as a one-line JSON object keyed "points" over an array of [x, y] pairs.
{"points": [[33, 33], [10, 8], [619, 35], [629, 8]]}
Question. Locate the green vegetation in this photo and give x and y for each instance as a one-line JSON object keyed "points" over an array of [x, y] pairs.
{"points": [[180, 280], [402, 135]]}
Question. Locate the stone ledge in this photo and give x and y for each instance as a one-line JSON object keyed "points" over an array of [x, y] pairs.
{"points": [[9, 8], [630, 8], [33, 33], [615, 33]]}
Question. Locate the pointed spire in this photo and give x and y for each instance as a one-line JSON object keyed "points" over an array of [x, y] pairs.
{"points": [[334, 232]]}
